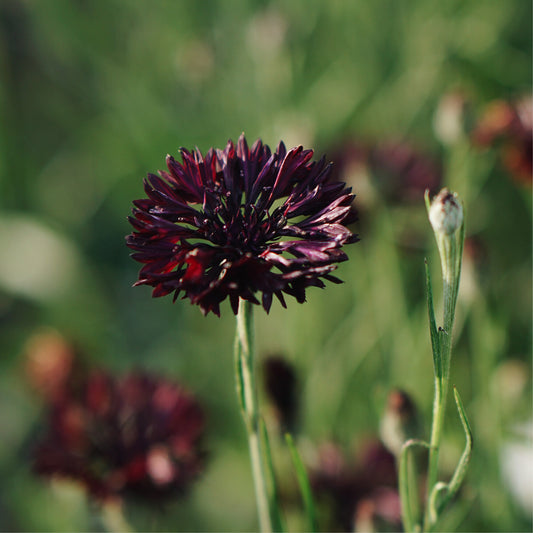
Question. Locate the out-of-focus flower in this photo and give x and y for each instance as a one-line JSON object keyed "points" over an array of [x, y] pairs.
{"points": [[240, 221], [378, 512], [400, 422], [52, 365], [453, 118], [511, 384], [395, 170], [281, 386], [509, 125], [352, 487], [195, 62], [403, 172], [130, 436], [516, 462], [474, 268]]}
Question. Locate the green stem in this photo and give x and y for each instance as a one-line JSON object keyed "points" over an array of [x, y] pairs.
{"points": [[247, 393], [450, 251], [439, 408]]}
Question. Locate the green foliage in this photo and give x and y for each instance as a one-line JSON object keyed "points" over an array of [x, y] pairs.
{"points": [[93, 96]]}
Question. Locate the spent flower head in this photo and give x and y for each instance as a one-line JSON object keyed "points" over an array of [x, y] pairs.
{"points": [[131, 436], [240, 221]]}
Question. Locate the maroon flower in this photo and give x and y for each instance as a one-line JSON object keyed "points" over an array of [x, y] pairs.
{"points": [[240, 221], [130, 436], [356, 487], [404, 172], [509, 126], [397, 169]]}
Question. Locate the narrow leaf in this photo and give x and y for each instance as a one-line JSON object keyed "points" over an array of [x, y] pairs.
{"points": [[460, 472], [303, 482], [427, 200], [409, 511], [434, 334], [436, 505], [459, 257], [275, 514]]}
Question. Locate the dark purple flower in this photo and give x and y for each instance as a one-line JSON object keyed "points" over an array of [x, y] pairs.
{"points": [[347, 482], [130, 436], [404, 172], [240, 221], [398, 170]]}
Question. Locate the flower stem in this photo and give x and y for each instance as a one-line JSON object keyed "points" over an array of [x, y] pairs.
{"points": [[450, 245], [247, 393], [439, 408]]}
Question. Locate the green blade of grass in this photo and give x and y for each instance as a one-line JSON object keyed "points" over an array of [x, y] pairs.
{"points": [[408, 498], [277, 520], [451, 488], [303, 482], [433, 331]]}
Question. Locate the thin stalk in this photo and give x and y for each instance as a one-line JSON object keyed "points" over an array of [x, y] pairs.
{"points": [[442, 378], [450, 251], [247, 393], [439, 408]]}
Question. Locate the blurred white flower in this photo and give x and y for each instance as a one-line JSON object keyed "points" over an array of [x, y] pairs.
{"points": [[37, 262], [516, 462]]}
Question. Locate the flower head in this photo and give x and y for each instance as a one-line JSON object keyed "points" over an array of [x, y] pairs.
{"points": [[240, 221], [509, 126], [349, 484], [135, 435], [403, 171], [394, 169]]}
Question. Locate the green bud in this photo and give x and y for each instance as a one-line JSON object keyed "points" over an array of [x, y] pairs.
{"points": [[400, 421]]}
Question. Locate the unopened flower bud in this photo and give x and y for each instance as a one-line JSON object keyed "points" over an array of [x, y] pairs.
{"points": [[446, 213], [400, 422], [453, 118], [53, 365], [281, 385]]}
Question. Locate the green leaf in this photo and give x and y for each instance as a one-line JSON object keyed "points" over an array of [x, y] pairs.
{"points": [[451, 488], [436, 505], [433, 331], [275, 514], [408, 498], [460, 471], [427, 200], [303, 482], [239, 385], [459, 257]]}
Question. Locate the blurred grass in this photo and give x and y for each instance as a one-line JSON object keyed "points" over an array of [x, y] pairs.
{"points": [[93, 96]]}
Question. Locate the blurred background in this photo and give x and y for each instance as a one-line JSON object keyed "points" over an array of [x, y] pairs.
{"points": [[401, 96]]}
